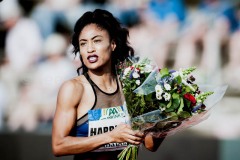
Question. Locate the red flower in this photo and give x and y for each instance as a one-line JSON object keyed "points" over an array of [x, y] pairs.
{"points": [[137, 69], [191, 98]]}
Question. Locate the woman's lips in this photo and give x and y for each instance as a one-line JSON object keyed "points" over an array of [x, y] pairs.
{"points": [[92, 58]]}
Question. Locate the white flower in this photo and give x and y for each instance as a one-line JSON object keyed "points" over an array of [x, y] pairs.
{"points": [[148, 68], [158, 89], [158, 96], [187, 84], [167, 86], [179, 73], [126, 71], [138, 82], [162, 108], [167, 96], [135, 75]]}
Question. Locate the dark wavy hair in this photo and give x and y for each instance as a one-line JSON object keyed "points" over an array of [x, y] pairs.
{"points": [[117, 33]]}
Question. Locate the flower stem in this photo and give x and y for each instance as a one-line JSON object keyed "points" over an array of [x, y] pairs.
{"points": [[129, 153]]}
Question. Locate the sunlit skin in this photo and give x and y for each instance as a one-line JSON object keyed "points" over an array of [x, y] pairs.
{"points": [[96, 49], [95, 43], [74, 98]]}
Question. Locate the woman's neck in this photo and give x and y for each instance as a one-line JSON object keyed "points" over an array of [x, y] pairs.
{"points": [[104, 79]]}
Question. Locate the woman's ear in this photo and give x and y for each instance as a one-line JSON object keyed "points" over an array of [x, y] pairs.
{"points": [[113, 45]]}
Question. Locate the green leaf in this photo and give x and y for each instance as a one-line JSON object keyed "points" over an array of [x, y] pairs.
{"points": [[133, 86], [175, 96], [187, 103], [178, 79], [188, 89], [169, 104], [162, 105], [169, 109], [148, 97], [184, 114], [175, 103], [172, 116], [180, 109], [164, 72]]}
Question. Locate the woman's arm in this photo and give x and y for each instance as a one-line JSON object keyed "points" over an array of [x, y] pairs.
{"points": [[64, 120], [152, 143], [65, 117]]}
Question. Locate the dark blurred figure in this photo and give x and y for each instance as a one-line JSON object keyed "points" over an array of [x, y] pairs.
{"points": [[22, 50], [49, 14], [37, 99], [28, 5], [210, 25], [164, 9], [160, 21], [232, 68]]}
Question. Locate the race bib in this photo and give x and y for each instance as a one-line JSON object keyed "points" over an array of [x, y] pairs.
{"points": [[105, 120]]}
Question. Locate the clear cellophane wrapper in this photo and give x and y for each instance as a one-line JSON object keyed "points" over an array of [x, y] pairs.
{"points": [[159, 125]]}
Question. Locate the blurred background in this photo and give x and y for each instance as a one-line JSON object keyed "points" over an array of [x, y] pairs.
{"points": [[36, 57]]}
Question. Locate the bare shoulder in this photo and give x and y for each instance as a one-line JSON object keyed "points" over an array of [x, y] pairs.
{"points": [[72, 90], [74, 84]]}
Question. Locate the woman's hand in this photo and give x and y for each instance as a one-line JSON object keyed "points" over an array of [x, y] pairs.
{"points": [[124, 133], [151, 142]]}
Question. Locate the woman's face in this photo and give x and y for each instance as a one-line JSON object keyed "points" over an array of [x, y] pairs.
{"points": [[95, 47]]}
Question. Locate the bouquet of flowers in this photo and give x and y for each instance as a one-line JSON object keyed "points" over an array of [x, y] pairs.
{"points": [[163, 101]]}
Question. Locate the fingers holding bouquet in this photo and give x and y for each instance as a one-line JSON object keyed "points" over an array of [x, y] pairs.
{"points": [[124, 133]]}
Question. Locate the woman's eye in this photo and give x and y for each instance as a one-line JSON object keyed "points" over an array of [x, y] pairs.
{"points": [[97, 41], [82, 44]]}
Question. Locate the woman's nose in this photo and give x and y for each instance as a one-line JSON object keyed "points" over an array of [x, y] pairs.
{"points": [[90, 48]]}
